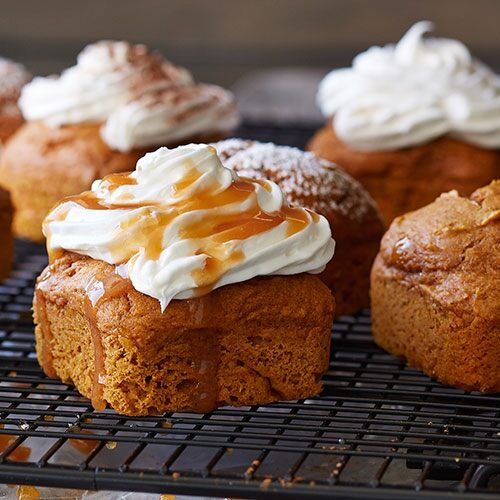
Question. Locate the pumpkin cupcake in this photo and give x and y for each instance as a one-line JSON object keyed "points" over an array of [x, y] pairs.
{"points": [[183, 287], [412, 120]]}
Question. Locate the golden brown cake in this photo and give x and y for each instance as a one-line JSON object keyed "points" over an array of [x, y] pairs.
{"points": [[403, 180], [255, 342], [436, 289], [6, 238], [412, 120], [12, 78], [317, 184], [182, 286], [99, 117]]}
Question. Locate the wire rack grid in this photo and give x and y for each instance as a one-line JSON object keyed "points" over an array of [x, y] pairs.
{"points": [[379, 429]]}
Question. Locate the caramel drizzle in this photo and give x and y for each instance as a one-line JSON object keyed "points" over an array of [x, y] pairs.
{"points": [[205, 354], [47, 361], [97, 292], [216, 230]]}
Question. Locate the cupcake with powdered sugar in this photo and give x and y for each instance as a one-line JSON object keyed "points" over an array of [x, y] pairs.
{"points": [[323, 187]]}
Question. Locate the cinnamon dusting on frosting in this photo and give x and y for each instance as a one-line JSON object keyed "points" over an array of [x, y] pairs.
{"points": [[140, 98]]}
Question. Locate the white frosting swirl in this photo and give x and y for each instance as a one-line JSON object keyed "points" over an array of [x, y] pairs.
{"points": [[141, 99], [410, 93], [182, 224]]}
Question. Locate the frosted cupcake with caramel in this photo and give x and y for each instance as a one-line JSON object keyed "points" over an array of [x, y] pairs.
{"points": [[412, 120], [182, 286], [98, 118]]}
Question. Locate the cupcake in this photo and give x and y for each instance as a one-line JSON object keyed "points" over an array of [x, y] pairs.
{"points": [[98, 118], [6, 238], [436, 289], [12, 78], [182, 287], [412, 120], [321, 186]]}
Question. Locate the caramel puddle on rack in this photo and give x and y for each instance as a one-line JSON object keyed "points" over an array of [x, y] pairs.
{"points": [[98, 291], [25, 492], [84, 446], [20, 454]]}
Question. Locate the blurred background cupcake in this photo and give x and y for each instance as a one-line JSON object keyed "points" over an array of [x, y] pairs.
{"points": [[13, 76], [97, 118], [412, 120]]}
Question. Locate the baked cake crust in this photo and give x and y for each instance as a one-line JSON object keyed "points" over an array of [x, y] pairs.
{"points": [[6, 238], [40, 165], [406, 179], [254, 342], [436, 289], [313, 183]]}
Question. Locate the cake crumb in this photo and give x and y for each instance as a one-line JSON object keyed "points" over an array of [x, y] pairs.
{"points": [[265, 484]]}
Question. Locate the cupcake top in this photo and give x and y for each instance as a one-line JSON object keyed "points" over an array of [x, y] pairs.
{"points": [[12, 78], [141, 98], [450, 249], [304, 178], [181, 225], [406, 94]]}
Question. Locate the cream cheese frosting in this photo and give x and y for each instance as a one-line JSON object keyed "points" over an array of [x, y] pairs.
{"points": [[141, 99], [181, 225], [412, 92]]}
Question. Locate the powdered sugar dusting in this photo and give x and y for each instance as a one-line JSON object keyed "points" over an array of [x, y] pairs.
{"points": [[304, 178], [12, 78]]}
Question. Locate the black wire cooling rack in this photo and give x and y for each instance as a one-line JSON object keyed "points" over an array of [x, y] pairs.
{"points": [[379, 430]]}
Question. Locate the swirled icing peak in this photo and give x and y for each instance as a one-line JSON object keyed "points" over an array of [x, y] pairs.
{"points": [[412, 92], [141, 99], [181, 225]]}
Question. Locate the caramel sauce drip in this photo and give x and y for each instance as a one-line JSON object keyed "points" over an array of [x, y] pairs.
{"points": [[261, 182], [147, 228], [47, 361], [204, 395], [191, 177], [97, 292], [114, 181]]}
